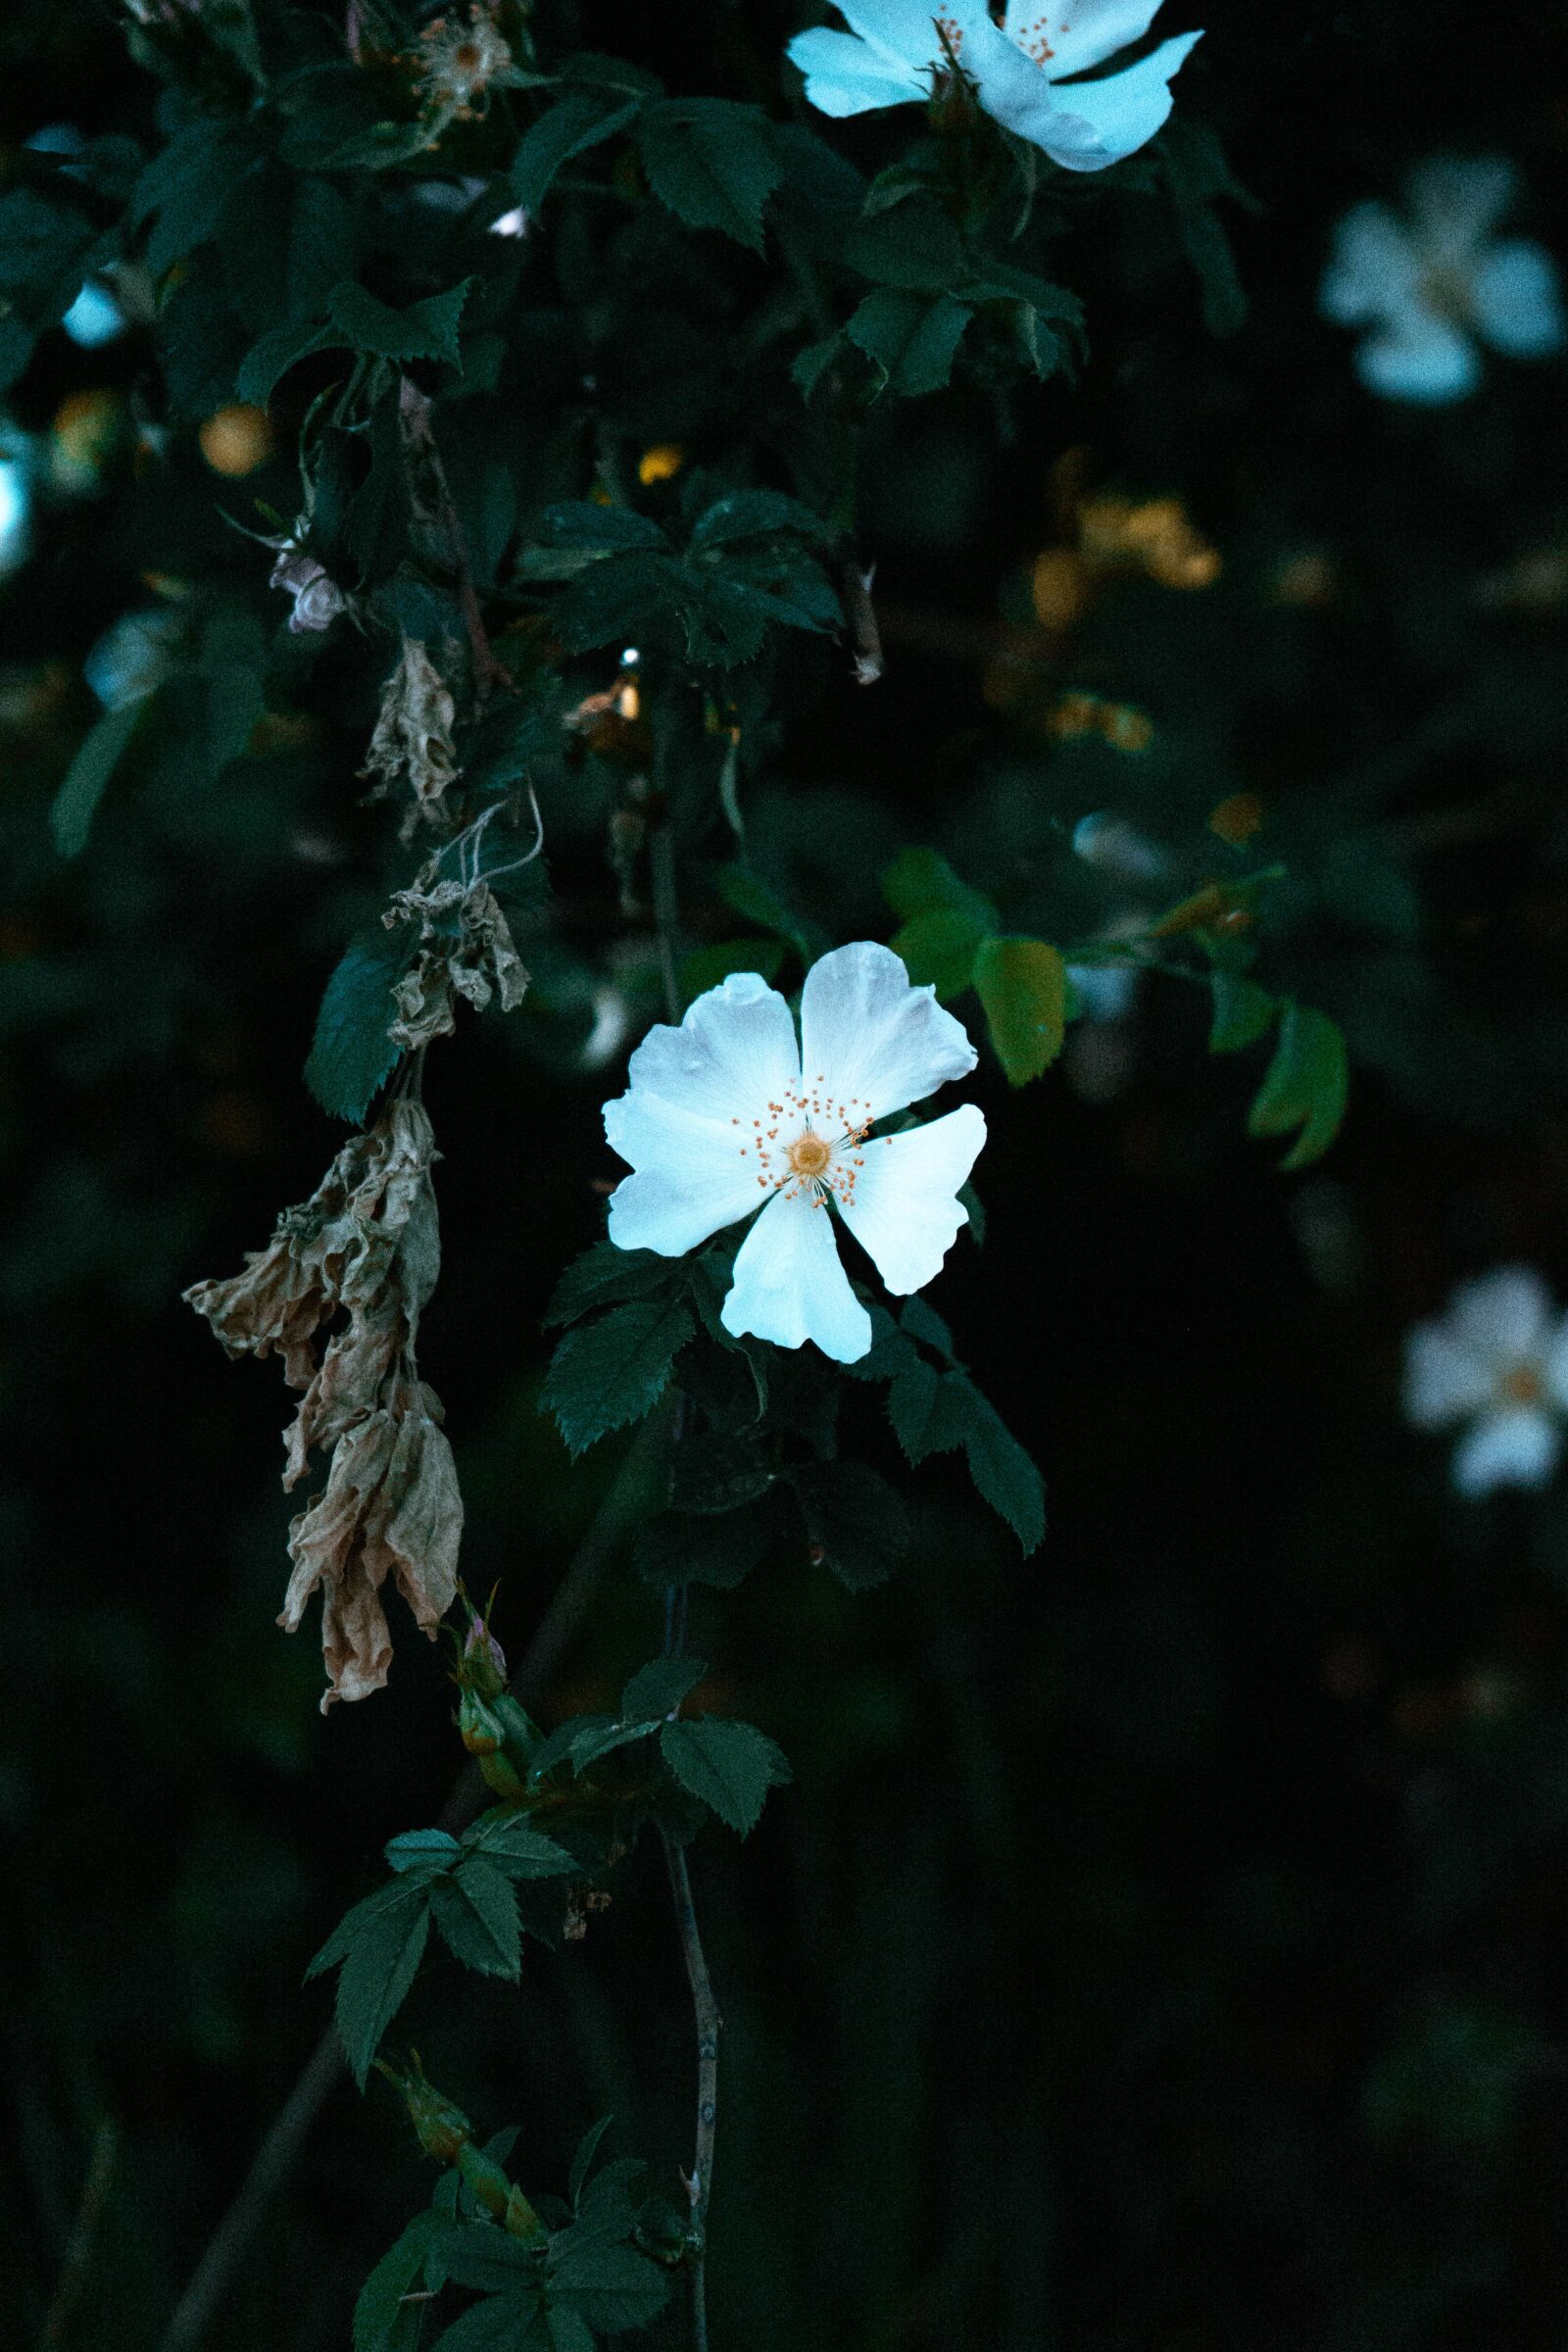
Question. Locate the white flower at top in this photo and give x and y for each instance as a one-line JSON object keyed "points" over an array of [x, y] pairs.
{"points": [[728, 1112], [894, 48], [1494, 1365], [1426, 286]]}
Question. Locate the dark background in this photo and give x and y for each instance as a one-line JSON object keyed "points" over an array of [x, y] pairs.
{"points": [[1161, 1950]]}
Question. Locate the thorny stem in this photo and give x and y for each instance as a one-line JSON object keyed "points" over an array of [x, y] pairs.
{"points": [[418, 439], [326, 2067]]}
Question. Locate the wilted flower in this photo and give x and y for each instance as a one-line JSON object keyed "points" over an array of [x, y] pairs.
{"points": [[728, 1111], [462, 61], [1427, 286], [465, 951], [365, 1245], [317, 599], [897, 50], [1494, 1365], [413, 737]]}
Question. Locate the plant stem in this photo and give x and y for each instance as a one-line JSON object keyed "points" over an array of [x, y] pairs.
{"points": [[418, 439], [84, 2235], [706, 2017], [326, 2067]]}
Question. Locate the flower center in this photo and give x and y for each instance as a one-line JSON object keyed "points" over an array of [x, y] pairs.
{"points": [[1522, 1386], [822, 1154], [1446, 288]]}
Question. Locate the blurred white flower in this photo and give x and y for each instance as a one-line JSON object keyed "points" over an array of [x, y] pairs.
{"points": [[1427, 285], [1494, 1365], [728, 1111], [14, 500], [894, 48], [95, 318], [134, 657]]}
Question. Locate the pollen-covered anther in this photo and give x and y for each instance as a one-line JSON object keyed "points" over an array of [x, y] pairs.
{"points": [[811, 1155]]}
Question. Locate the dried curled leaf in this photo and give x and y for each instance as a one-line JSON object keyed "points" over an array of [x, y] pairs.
{"points": [[413, 739], [365, 1247], [465, 951]]}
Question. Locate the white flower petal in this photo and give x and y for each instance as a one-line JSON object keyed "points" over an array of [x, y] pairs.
{"points": [[1374, 269], [1094, 30], [1554, 1364], [1456, 201], [1514, 1449], [905, 31], [1502, 1316], [905, 1214], [1082, 125], [875, 1040], [1444, 1379], [1515, 299], [790, 1285], [732, 1055], [689, 1176], [846, 76], [1422, 358]]}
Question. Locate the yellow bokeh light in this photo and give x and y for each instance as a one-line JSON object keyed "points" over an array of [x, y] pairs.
{"points": [[236, 440], [661, 464]]}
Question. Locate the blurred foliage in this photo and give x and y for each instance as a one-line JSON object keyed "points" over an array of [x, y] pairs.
{"points": [[1161, 1946]]}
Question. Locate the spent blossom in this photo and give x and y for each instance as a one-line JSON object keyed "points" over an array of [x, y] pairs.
{"points": [[1494, 1367], [897, 50], [729, 1113]]}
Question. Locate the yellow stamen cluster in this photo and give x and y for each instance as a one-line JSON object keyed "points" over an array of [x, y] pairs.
{"points": [[821, 1150]]}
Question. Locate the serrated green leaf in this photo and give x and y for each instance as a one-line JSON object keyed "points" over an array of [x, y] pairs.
{"points": [[911, 339], [913, 246], [582, 2161], [1306, 1085], [512, 1847], [657, 1688], [1002, 1471], [500, 2324], [569, 2331], [729, 1766], [1022, 984], [352, 1055], [418, 1849], [380, 2301], [921, 881], [754, 515], [809, 367], [270, 359], [376, 1973], [582, 119], [619, 599], [607, 1373], [855, 1517], [938, 950], [604, 1275], [721, 1550], [1243, 1012], [713, 162], [88, 777], [477, 1912], [425, 330], [717, 1470]]}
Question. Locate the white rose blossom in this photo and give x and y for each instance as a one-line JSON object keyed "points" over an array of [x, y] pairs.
{"points": [[728, 1112], [894, 48], [1427, 285], [1494, 1365]]}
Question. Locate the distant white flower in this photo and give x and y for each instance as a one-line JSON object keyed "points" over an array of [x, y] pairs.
{"points": [[728, 1110], [1427, 286], [1495, 1363], [95, 318], [13, 504], [894, 48]]}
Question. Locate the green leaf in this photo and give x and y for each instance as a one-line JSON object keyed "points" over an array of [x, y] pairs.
{"points": [[425, 330], [1022, 983], [921, 881], [720, 1550], [500, 2324], [604, 1275], [612, 2287], [1305, 1085], [569, 2331], [1243, 1012], [87, 778], [856, 1519], [380, 2301], [582, 119], [913, 341], [938, 950], [582, 2161], [729, 1766], [477, 1912], [1196, 173], [512, 1847], [379, 1965], [713, 162], [716, 1471], [704, 967], [417, 1850], [1000, 1469], [583, 530], [754, 515], [270, 359], [657, 1688], [352, 1055], [809, 367], [607, 1373], [741, 888], [618, 600], [913, 246]]}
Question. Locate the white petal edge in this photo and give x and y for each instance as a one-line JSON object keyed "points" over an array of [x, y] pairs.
{"points": [[1456, 201], [689, 1180], [1444, 1381], [790, 1285], [904, 31], [1095, 31], [905, 1213], [846, 76], [1502, 1316], [1517, 1449], [1421, 358], [875, 1040], [1082, 125], [1373, 269], [733, 1052], [1516, 300]]}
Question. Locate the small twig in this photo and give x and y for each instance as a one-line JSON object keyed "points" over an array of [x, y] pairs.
{"points": [[83, 2235], [418, 438], [706, 2017], [866, 638], [327, 2066]]}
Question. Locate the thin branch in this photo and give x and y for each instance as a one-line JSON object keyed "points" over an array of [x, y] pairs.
{"points": [[327, 2068], [84, 2235], [418, 439], [706, 2018]]}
